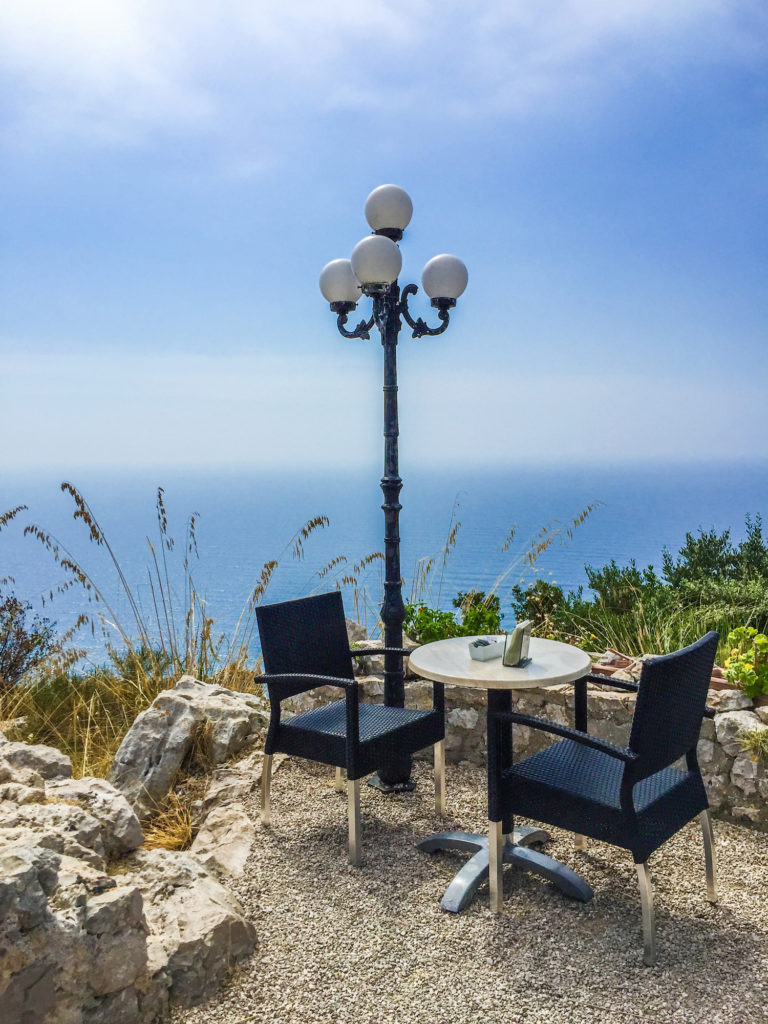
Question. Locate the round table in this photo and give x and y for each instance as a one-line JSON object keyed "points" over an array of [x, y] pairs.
{"points": [[549, 664]]}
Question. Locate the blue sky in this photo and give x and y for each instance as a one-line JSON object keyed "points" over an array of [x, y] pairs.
{"points": [[175, 176]]}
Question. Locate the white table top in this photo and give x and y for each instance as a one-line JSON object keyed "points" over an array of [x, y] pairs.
{"points": [[448, 661]]}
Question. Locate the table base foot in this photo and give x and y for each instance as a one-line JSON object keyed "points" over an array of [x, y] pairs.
{"points": [[516, 851]]}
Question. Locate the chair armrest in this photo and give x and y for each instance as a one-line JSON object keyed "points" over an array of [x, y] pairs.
{"points": [[313, 680], [611, 749], [620, 684], [363, 652]]}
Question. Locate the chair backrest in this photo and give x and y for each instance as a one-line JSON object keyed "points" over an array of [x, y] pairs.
{"points": [[308, 635], [671, 698]]}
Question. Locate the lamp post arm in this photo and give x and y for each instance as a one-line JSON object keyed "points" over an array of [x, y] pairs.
{"points": [[361, 331], [419, 327]]}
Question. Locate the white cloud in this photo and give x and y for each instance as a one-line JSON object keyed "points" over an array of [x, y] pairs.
{"points": [[116, 70]]}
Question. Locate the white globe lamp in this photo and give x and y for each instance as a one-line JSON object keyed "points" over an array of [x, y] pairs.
{"points": [[339, 285], [388, 209], [444, 279], [376, 262]]}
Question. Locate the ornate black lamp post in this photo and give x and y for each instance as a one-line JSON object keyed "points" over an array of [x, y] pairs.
{"points": [[373, 270]]}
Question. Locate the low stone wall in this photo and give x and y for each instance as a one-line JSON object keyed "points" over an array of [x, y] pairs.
{"points": [[737, 785]]}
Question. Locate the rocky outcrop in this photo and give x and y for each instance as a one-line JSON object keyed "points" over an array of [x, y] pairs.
{"points": [[86, 938], [195, 926], [221, 721]]}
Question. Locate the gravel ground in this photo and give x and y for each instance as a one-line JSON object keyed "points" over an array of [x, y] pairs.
{"points": [[370, 945]]}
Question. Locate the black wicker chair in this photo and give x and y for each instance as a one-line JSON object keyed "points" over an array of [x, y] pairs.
{"points": [[304, 644], [629, 796]]}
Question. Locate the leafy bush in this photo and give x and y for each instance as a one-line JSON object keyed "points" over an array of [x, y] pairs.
{"points": [[619, 589], [545, 604], [712, 554], [480, 615], [747, 666], [23, 644], [710, 584]]}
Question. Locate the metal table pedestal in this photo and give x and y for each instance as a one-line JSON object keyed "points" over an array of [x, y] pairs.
{"points": [[516, 851]]}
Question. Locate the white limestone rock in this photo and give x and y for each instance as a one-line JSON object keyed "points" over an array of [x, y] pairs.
{"points": [[355, 631], [117, 908], [152, 751], [462, 718], [119, 827], [155, 746], [716, 787], [230, 717], [28, 874], [48, 762], [744, 774], [225, 840], [62, 827], [17, 793], [197, 926], [729, 700], [228, 785], [730, 726]]}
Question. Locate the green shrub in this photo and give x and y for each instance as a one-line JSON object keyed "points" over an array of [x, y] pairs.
{"points": [[24, 644], [712, 554], [747, 666], [710, 584], [480, 615]]}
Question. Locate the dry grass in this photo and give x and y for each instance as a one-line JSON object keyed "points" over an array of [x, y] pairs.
{"points": [[427, 581], [172, 827], [87, 713], [755, 742]]}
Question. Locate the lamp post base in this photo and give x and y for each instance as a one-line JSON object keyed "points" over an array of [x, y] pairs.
{"points": [[406, 786]]}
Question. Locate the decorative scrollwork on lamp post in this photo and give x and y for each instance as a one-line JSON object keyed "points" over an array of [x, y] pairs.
{"points": [[373, 271]]}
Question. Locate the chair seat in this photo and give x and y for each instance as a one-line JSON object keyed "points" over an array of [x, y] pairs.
{"points": [[576, 787], [321, 734], [579, 771]]}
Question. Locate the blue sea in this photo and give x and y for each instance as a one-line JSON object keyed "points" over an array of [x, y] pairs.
{"points": [[245, 518]]}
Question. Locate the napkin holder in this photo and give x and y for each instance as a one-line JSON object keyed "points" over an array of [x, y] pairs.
{"points": [[517, 643], [486, 649]]}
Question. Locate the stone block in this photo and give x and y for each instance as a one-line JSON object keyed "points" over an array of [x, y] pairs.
{"points": [[114, 910], [48, 762], [729, 700], [730, 727], [225, 839]]}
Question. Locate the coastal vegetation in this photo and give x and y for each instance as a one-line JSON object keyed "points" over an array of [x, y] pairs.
{"points": [[50, 694], [711, 583]]}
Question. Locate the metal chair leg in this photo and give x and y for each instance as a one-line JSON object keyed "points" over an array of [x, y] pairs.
{"points": [[440, 778], [496, 840], [266, 786], [353, 815], [649, 920], [580, 843], [710, 859], [339, 780]]}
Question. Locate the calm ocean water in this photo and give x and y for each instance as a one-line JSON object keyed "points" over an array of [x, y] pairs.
{"points": [[248, 517]]}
